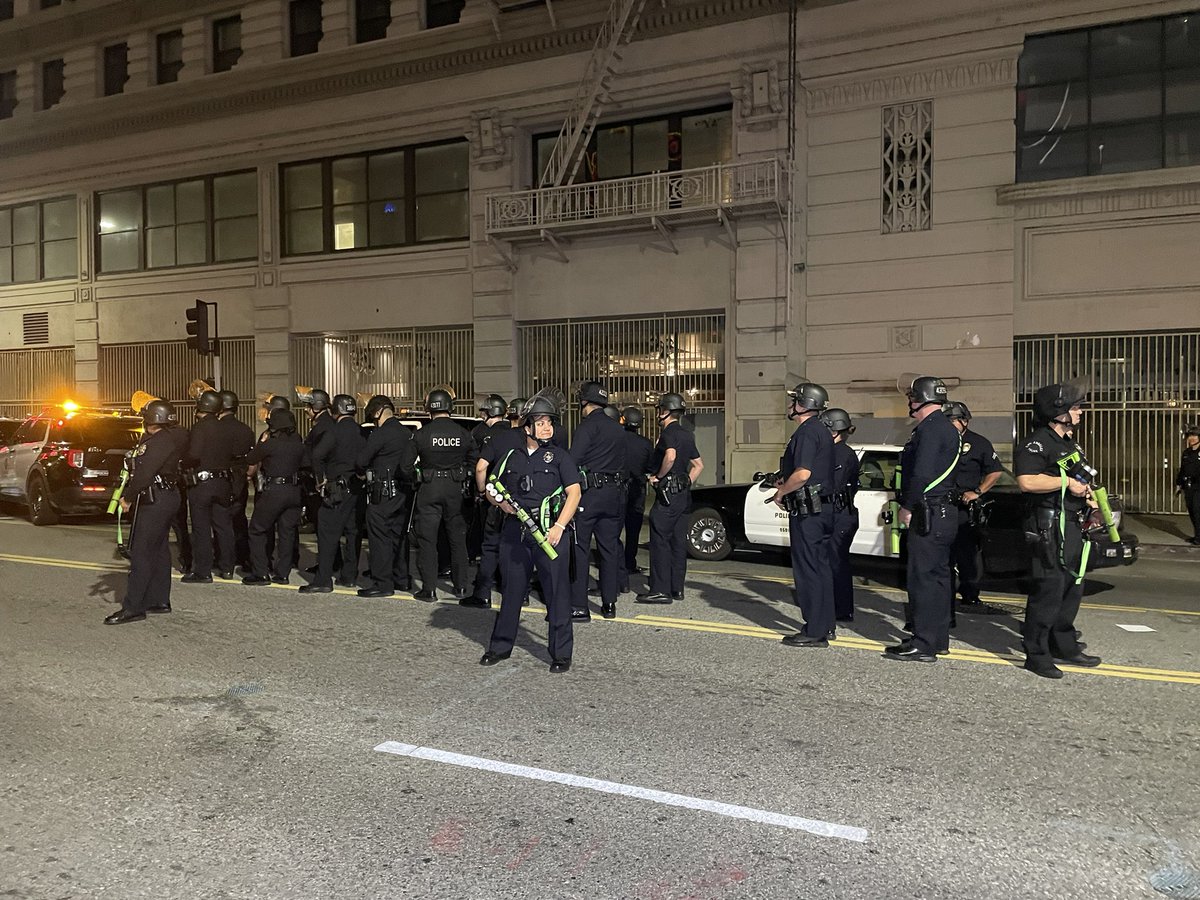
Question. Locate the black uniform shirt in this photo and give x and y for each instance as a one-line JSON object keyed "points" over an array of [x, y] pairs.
{"points": [[323, 421], [211, 448], [1039, 454], [638, 451], [443, 444], [390, 452], [281, 454], [932, 449], [599, 444], [1189, 469], [811, 447], [977, 460], [533, 475], [337, 453], [677, 437], [236, 436], [845, 469], [156, 454]]}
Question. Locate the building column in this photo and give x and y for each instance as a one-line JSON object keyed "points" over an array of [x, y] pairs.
{"points": [[476, 11], [406, 17], [337, 25], [87, 349], [80, 72], [23, 7], [141, 62], [27, 88], [264, 32], [196, 43]]}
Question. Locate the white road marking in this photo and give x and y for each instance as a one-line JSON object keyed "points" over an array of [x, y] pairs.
{"points": [[1138, 628], [813, 826]]}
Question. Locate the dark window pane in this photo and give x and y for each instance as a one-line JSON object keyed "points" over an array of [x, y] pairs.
{"points": [[305, 231], [349, 180], [236, 238], [160, 205], [116, 69], [1053, 57], [5, 265], [441, 168], [443, 12], [24, 257], [1052, 108], [1183, 91], [52, 82], [302, 186], [227, 43], [372, 18], [58, 219], [8, 94], [191, 244], [385, 172], [305, 20], [1041, 157], [1126, 148], [5, 227], [189, 201], [170, 57], [119, 252], [350, 226], [1183, 142], [1126, 97], [6, 9], [442, 217], [235, 195], [545, 146], [120, 211], [1127, 48], [160, 247], [25, 225], [387, 222], [60, 259], [1183, 41], [613, 151], [707, 139], [650, 147]]}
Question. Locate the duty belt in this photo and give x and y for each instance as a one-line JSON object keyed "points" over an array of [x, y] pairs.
{"points": [[167, 484], [456, 474], [205, 475], [600, 479], [281, 479]]}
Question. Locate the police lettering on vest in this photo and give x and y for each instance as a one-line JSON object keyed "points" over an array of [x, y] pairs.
{"points": [[447, 442]]}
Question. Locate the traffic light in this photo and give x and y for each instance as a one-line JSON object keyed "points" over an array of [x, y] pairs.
{"points": [[197, 328]]}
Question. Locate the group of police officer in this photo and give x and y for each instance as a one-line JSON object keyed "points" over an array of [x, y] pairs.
{"points": [[945, 470]]}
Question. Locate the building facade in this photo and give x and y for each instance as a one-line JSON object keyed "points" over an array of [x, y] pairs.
{"points": [[1001, 194]]}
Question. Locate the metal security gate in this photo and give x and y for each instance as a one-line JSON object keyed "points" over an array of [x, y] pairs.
{"points": [[29, 379], [167, 369], [405, 364], [1145, 388]]}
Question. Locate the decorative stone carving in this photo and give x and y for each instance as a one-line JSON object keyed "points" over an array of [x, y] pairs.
{"points": [[759, 96], [907, 167], [490, 139], [966, 76], [905, 339]]}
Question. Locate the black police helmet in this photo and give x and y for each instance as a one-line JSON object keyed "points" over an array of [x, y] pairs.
{"points": [[593, 392], [493, 406], [208, 402], [514, 408], [378, 404], [632, 417], [810, 396], [538, 406], [837, 419], [1053, 402], [281, 420], [672, 403], [928, 389], [159, 412], [956, 409], [439, 401], [1191, 428], [613, 413], [229, 401], [344, 405], [320, 400], [278, 401]]}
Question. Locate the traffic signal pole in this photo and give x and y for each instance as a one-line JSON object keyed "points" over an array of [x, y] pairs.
{"points": [[203, 341], [216, 350]]}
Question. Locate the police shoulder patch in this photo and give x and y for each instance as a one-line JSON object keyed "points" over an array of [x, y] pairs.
{"points": [[1035, 446]]}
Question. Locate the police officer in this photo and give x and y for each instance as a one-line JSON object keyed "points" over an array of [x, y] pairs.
{"points": [[598, 448], [210, 491], [153, 486], [447, 458], [1057, 508], [492, 409], [978, 471], [638, 451], [389, 460], [928, 462], [1187, 482], [805, 490], [542, 480], [279, 457], [316, 402], [514, 411], [239, 435], [845, 515], [334, 460], [494, 439], [676, 464], [305, 475]]}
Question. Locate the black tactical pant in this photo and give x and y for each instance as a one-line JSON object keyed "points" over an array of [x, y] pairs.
{"points": [[928, 578], [277, 509], [519, 557], [387, 526], [489, 550], [209, 502], [601, 513], [811, 542], [1054, 598], [845, 526], [1191, 497], [338, 521], [668, 543], [439, 502], [635, 514], [237, 517], [183, 537], [150, 552], [966, 558]]}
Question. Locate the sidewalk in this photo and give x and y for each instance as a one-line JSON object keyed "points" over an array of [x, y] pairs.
{"points": [[1161, 535]]}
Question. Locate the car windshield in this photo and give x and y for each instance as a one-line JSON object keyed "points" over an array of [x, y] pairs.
{"points": [[106, 433]]}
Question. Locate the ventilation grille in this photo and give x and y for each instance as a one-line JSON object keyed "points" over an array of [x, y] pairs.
{"points": [[37, 328]]}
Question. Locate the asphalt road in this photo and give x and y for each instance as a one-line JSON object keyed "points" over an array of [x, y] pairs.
{"points": [[228, 750]]}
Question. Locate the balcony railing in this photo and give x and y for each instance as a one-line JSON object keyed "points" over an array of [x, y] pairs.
{"points": [[690, 194]]}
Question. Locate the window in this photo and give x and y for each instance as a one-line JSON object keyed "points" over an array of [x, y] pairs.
{"points": [[181, 223], [443, 12], [371, 20], [388, 198], [170, 57], [46, 4], [227, 43], [38, 241], [116, 69], [1118, 98], [8, 94], [6, 9], [304, 17], [690, 140], [52, 83]]}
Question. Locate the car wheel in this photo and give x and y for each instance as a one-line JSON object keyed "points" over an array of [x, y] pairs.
{"points": [[40, 510], [707, 536]]}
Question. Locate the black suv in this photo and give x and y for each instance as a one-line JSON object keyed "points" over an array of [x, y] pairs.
{"points": [[66, 461]]}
